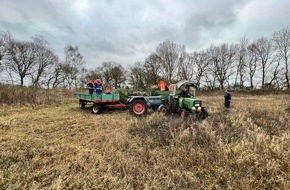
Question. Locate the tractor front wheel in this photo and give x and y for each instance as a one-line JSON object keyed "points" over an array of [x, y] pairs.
{"points": [[204, 113], [183, 114], [162, 109], [138, 107]]}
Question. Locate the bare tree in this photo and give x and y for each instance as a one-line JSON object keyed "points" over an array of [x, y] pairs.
{"points": [[221, 59], [118, 75], [68, 73], [282, 46], [185, 66], [74, 64], [274, 75], [21, 58], [201, 62], [5, 39], [105, 69], [136, 75], [112, 73], [93, 74], [56, 78], [168, 53], [252, 63], [152, 67], [2, 49], [45, 58], [241, 62], [263, 49]]}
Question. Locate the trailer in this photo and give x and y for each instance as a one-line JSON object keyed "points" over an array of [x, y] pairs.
{"points": [[99, 102]]}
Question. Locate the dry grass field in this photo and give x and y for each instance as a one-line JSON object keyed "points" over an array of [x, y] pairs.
{"points": [[59, 146]]}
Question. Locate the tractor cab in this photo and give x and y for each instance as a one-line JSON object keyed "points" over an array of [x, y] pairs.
{"points": [[183, 88]]}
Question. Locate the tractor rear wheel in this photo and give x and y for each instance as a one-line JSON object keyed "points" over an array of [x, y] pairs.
{"points": [[96, 109], [175, 106], [82, 104], [138, 107], [204, 113]]}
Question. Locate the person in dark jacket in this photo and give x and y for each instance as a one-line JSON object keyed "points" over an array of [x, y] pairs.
{"points": [[185, 92], [228, 98], [90, 85]]}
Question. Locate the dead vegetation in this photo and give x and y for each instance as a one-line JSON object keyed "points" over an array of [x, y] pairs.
{"points": [[63, 147], [17, 95]]}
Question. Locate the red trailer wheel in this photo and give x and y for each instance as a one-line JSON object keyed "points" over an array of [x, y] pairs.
{"points": [[96, 109]]}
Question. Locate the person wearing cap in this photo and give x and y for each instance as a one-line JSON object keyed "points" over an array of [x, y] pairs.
{"points": [[98, 86], [90, 85], [228, 98]]}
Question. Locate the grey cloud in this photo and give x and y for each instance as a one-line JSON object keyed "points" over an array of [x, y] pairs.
{"points": [[128, 30], [209, 22], [197, 27]]}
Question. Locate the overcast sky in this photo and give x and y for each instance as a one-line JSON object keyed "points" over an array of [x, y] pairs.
{"points": [[127, 31]]}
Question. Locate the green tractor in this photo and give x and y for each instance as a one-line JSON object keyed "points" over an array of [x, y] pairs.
{"points": [[181, 100]]}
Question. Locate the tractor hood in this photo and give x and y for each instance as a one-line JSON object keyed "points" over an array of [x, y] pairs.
{"points": [[185, 83]]}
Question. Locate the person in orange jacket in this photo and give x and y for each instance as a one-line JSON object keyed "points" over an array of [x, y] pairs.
{"points": [[98, 86], [162, 85], [90, 85]]}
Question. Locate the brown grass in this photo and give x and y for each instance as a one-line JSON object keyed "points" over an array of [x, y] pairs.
{"points": [[17, 95], [63, 147]]}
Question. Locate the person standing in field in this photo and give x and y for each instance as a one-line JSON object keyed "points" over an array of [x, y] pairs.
{"points": [[228, 98]]}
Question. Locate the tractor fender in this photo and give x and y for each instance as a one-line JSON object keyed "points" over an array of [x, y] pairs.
{"points": [[160, 107], [133, 98]]}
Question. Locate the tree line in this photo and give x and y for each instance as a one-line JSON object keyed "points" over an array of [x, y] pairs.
{"points": [[261, 63]]}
